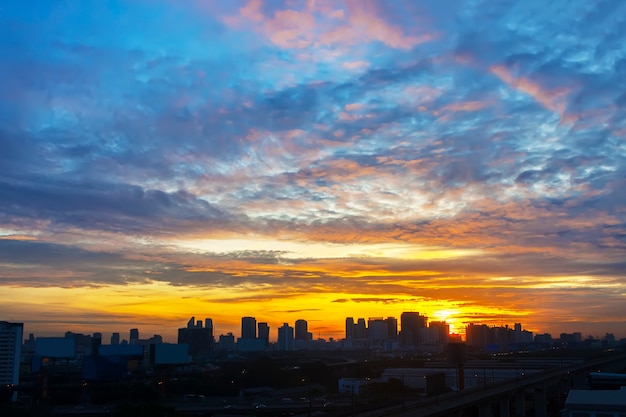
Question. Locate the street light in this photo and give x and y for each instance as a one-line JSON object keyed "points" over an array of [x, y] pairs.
{"points": [[303, 380], [241, 386]]}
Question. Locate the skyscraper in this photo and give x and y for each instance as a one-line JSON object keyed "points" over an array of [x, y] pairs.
{"points": [[302, 330], [10, 351], [248, 328], [360, 330], [200, 339], [134, 336], [442, 330], [392, 327], [115, 338], [349, 328], [410, 324], [264, 332], [285, 338]]}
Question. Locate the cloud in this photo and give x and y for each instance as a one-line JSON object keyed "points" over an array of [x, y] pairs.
{"points": [[495, 134], [554, 101]]}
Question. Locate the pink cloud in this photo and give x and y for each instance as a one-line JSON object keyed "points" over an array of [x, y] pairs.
{"points": [[252, 10], [356, 65], [291, 29], [553, 100], [365, 22], [353, 106], [320, 23], [465, 106]]}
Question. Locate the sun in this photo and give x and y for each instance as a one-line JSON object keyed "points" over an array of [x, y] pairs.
{"points": [[450, 316]]}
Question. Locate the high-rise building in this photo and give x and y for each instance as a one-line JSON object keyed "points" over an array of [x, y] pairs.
{"points": [[377, 329], [360, 330], [226, 342], [349, 328], [200, 339], [392, 327], [302, 330], [285, 338], [441, 331], [82, 342], [264, 332], [410, 324], [478, 335], [248, 328], [115, 338], [381, 330], [134, 336], [10, 351]]}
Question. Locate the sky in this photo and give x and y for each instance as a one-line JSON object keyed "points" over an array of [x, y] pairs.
{"points": [[320, 159]]}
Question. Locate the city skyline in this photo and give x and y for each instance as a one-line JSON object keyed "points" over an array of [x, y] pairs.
{"points": [[293, 159], [173, 335]]}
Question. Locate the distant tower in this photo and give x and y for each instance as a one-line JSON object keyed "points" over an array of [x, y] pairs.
{"points": [[226, 342], [264, 332], [360, 330], [377, 330], [248, 328], [10, 352], [199, 339], [302, 330], [115, 338], [134, 336], [349, 328], [411, 324], [285, 338], [392, 327]]}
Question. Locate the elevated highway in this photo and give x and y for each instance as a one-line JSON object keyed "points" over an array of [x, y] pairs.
{"points": [[512, 398]]}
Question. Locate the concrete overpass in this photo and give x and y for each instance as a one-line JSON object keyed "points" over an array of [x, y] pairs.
{"points": [[512, 398]]}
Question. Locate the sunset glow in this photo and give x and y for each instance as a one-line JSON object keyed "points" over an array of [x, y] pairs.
{"points": [[312, 160]]}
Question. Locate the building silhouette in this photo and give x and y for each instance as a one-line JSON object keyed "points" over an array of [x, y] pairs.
{"points": [[134, 336], [381, 331], [285, 338], [10, 352], [226, 342], [356, 330], [248, 328], [439, 332], [264, 332], [200, 339], [411, 324], [301, 330]]}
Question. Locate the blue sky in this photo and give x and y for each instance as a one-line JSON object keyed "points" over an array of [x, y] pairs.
{"points": [[338, 157]]}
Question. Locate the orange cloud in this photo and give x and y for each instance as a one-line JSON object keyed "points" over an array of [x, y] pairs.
{"points": [[18, 237]]}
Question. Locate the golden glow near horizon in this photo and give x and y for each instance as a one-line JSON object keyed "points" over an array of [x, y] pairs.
{"points": [[304, 250], [161, 308]]}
